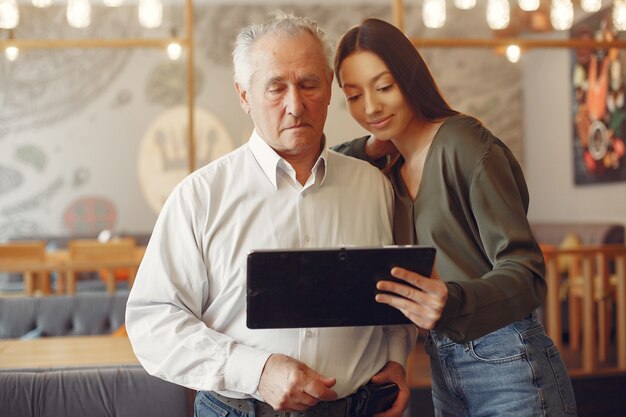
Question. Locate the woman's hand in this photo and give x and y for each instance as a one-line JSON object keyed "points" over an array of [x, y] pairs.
{"points": [[421, 302], [376, 148]]}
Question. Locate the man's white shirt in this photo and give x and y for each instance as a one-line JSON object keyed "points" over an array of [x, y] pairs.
{"points": [[186, 313]]}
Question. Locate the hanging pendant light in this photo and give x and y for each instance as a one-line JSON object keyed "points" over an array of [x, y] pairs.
{"points": [[619, 15], [434, 13], [150, 13], [498, 14], [528, 5], [9, 14], [11, 52], [78, 13], [113, 3], [465, 4], [590, 6], [562, 14], [513, 53], [42, 3]]}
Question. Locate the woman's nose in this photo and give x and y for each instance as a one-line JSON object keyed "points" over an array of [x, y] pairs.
{"points": [[371, 104]]}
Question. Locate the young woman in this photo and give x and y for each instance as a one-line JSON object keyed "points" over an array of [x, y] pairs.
{"points": [[458, 188]]}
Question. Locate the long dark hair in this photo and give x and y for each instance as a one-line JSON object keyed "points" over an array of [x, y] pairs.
{"points": [[404, 62]]}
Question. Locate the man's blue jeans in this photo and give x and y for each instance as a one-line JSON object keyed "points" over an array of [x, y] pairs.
{"points": [[208, 406], [515, 371]]}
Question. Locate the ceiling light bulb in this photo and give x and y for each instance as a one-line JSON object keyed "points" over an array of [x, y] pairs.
{"points": [[465, 4], [9, 14], [528, 5], [498, 14], [562, 14], [619, 15], [590, 5], [513, 53], [78, 13], [150, 13], [113, 3], [11, 53], [42, 3], [174, 51], [434, 13]]}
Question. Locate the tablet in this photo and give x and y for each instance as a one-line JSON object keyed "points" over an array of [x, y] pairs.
{"points": [[326, 287]]}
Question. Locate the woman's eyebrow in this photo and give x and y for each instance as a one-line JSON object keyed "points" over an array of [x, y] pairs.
{"points": [[374, 79]]}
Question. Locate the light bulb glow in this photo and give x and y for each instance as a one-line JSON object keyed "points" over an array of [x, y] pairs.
{"points": [[113, 3], [562, 14], [150, 13], [528, 5], [513, 53], [9, 14], [78, 13], [498, 14], [619, 15], [42, 3], [465, 4], [11, 53], [174, 51], [590, 5]]}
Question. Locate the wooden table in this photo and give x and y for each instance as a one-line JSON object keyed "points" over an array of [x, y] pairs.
{"points": [[66, 351], [59, 261]]}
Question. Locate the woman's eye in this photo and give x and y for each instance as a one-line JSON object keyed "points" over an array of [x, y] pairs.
{"points": [[353, 98], [385, 87]]}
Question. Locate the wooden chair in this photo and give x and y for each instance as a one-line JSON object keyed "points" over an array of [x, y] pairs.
{"points": [[91, 255], [28, 259], [592, 291]]}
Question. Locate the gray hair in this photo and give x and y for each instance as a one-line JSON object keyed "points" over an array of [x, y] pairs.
{"points": [[280, 22]]}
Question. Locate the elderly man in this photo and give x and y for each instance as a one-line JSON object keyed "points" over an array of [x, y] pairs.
{"points": [[283, 189]]}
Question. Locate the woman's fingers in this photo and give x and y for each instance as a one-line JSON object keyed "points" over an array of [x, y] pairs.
{"points": [[422, 301]]}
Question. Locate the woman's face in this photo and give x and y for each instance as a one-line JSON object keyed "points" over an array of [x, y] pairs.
{"points": [[373, 96]]}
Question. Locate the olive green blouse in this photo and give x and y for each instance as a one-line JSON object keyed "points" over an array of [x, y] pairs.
{"points": [[471, 206]]}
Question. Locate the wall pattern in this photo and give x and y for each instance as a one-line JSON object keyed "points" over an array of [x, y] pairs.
{"points": [[93, 139]]}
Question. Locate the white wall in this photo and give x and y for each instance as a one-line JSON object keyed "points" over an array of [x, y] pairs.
{"points": [[548, 147]]}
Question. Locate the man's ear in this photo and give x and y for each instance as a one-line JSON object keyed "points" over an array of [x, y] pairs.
{"points": [[243, 97]]}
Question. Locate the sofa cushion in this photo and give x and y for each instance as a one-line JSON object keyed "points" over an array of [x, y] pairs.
{"points": [[124, 391], [81, 314]]}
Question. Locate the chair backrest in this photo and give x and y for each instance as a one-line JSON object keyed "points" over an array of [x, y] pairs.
{"points": [[26, 251], [122, 249]]}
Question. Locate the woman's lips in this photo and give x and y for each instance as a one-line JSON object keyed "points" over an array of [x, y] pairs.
{"points": [[380, 123]]}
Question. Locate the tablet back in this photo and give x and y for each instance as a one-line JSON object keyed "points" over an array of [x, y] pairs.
{"points": [[326, 287]]}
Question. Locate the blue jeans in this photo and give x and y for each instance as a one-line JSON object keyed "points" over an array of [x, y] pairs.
{"points": [[206, 405], [515, 371]]}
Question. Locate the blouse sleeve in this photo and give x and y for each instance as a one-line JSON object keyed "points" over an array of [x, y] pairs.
{"points": [[515, 285]]}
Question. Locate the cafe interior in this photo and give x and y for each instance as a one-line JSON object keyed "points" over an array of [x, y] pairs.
{"points": [[106, 105]]}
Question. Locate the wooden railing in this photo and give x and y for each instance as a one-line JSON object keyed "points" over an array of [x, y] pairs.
{"points": [[592, 280]]}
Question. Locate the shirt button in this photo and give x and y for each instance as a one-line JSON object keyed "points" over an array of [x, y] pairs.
{"points": [[307, 238], [308, 333]]}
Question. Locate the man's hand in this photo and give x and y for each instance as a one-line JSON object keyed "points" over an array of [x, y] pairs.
{"points": [[289, 385], [394, 372]]}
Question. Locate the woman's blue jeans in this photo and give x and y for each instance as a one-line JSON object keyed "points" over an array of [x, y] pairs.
{"points": [[515, 371]]}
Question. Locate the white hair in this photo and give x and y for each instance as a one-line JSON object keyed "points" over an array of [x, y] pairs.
{"points": [[280, 22]]}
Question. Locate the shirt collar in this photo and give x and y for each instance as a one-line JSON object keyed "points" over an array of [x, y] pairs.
{"points": [[270, 161]]}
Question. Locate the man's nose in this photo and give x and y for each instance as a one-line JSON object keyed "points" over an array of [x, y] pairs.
{"points": [[293, 102]]}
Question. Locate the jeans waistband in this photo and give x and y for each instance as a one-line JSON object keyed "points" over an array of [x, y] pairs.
{"points": [[338, 408]]}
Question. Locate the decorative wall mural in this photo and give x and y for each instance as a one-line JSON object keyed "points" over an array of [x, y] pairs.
{"points": [[31, 155], [13, 227], [167, 84], [10, 179], [44, 86], [88, 216], [598, 108], [34, 201], [163, 152]]}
